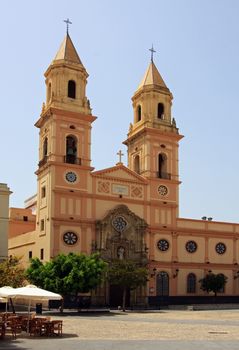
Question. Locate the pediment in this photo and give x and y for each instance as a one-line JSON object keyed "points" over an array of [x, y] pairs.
{"points": [[120, 172]]}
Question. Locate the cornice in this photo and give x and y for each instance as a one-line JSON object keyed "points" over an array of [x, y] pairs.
{"points": [[152, 132]]}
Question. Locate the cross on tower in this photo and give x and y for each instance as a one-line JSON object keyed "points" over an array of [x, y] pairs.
{"points": [[152, 53], [120, 154], [67, 21]]}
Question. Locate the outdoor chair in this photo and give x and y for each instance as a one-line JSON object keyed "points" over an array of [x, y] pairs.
{"points": [[13, 326], [57, 327], [2, 330], [35, 327]]}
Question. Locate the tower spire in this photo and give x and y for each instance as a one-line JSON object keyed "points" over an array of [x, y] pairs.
{"points": [[67, 21], [67, 88]]}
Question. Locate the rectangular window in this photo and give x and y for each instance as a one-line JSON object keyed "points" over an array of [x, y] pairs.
{"points": [[42, 254], [30, 254], [43, 192], [42, 225], [25, 218]]}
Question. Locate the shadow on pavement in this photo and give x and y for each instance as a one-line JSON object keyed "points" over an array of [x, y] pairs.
{"points": [[64, 336], [89, 313], [10, 344], [80, 314]]}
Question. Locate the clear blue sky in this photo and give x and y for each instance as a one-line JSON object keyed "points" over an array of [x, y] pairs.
{"points": [[197, 45]]}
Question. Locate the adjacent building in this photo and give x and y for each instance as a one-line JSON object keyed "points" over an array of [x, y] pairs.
{"points": [[4, 220]]}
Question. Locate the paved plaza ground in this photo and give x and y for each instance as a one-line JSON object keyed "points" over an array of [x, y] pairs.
{"points": [[161, 330]]}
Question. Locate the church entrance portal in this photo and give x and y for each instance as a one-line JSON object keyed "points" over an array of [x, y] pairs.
{"points": [[120, 235], [116, 296]]}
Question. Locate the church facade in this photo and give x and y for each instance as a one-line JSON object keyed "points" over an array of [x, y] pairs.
{"points": [[124, 212]]}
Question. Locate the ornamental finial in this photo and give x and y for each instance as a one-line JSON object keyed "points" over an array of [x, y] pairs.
{"points": [[152, 53], [67, 21]]}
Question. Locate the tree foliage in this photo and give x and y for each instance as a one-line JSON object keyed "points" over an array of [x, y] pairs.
{"points": [[213, 283], [68, 274], [12, 273], [128, 275]]}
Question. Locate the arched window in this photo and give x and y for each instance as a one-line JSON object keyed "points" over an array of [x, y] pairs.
{"points": [[45, 147], [191, 283], [49, 92], [162, 166], [71, 149], [160, 111], [137, 164], [71, 89], [138, 113], [162, 284]]}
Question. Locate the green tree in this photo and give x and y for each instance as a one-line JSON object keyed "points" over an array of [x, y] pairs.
{"points": [[128, 275], [213, 283], [68, 274], [11, 272]]}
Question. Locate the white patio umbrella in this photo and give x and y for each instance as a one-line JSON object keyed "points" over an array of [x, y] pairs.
{"points": [[6, 292], [31, 292]]}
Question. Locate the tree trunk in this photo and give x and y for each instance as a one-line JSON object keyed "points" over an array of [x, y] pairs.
{"points": [[62, 305], [124, 298]]}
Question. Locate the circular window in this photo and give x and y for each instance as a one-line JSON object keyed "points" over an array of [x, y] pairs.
{"points": [[162, 190], [220, 248], [71, 176], [191, 246], [70, 238], [163, 245], [119, 223]]}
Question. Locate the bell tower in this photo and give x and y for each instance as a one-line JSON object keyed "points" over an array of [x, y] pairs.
{"points": [[64, 150], [153, 137], [66, 80]]}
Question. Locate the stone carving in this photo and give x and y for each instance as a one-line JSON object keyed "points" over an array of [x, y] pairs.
{"points": [[136, 191], [121, 228], [120, 235], [121, 252], [103, 187]]}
